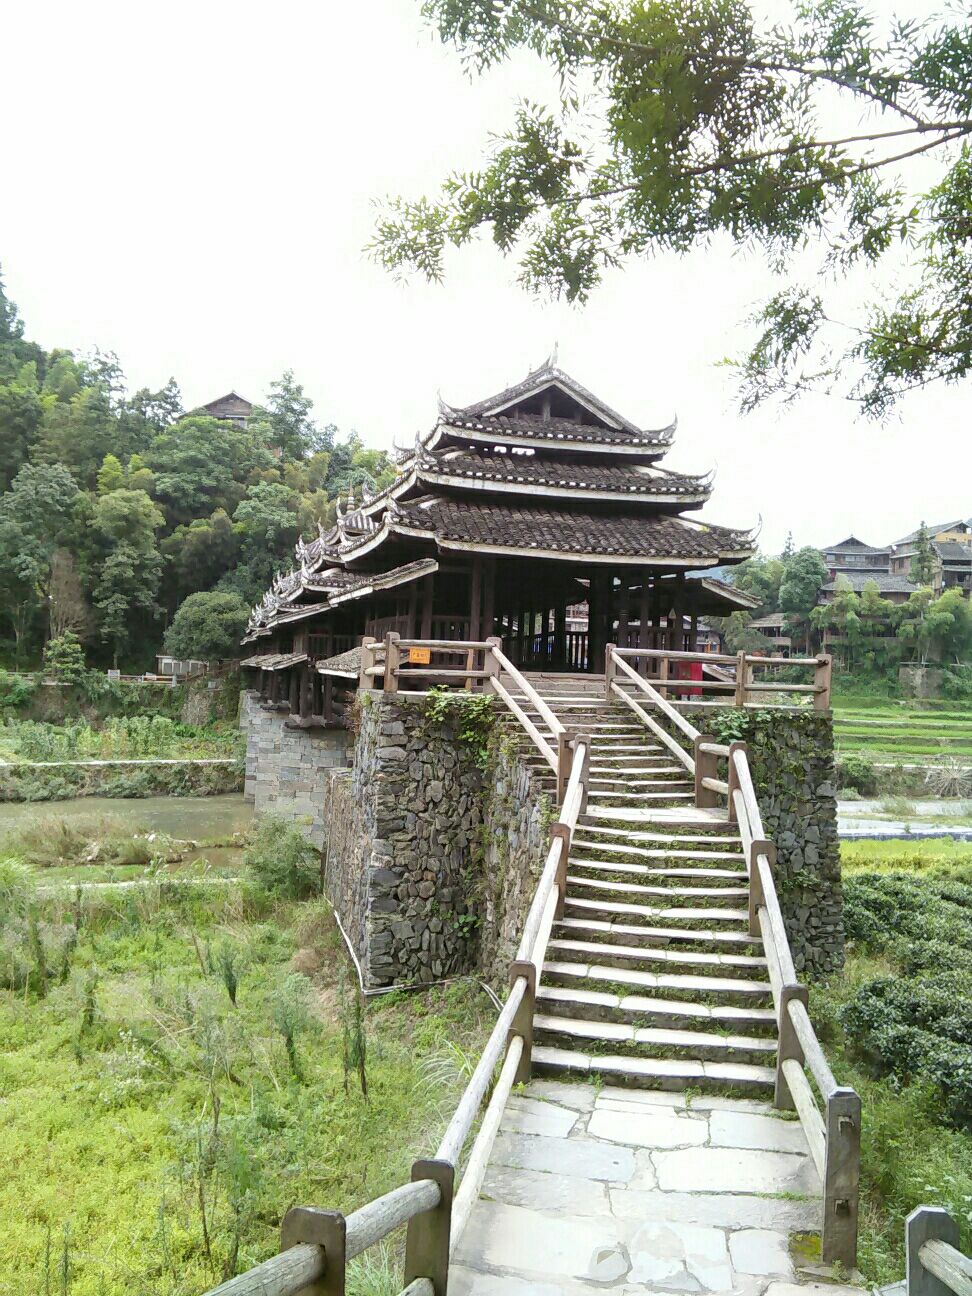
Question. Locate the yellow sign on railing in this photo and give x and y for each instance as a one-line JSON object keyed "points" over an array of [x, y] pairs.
{"points": [[420, 656]]}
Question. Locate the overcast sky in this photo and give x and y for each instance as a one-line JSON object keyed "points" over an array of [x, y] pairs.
{"points": [[191, 185]]}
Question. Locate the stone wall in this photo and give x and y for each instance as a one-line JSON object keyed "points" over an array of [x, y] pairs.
{"points": [[791, 756], [435, 838], [286, 766]]}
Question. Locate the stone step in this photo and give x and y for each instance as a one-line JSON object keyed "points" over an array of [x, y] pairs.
{"points": [[666, 985], [629, 835], [603, 773], [614, 892], [631, 854], [683, 817], [583, 926], [636, 784], [625, 1037], [648, 958], [654, 1073], [642, 1010], [626, 920], [678, 872], [609, 798], [674, 896]]}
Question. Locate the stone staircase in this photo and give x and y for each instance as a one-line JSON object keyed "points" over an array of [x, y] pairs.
{"points": [[651, 976]]}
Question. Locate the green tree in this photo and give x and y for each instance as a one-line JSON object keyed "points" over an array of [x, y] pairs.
{"points": [[20, 418], [803, 575], [286, 422], [111, 475], [15, 351], [761, 576], [265, 524], [130, 517], [201, 464], [923, 562], [207, 627], [124, 595], [64, 658], [709, 119], [198, 556]]}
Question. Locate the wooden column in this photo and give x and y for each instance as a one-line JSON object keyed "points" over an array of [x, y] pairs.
{"points": [[411, 623], [305, 692], [560, 635], [294, 692], [427, 597], [475, 596], [489, 597]]}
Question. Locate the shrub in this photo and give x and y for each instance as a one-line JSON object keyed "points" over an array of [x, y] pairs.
{"points": [[858, 773], [64, 658], [280, 861]]}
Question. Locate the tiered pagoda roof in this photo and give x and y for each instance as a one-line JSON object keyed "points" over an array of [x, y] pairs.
{"points": [[544, 469]]}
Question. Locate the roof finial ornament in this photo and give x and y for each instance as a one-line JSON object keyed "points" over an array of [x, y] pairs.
{"points": [[554, 356]]}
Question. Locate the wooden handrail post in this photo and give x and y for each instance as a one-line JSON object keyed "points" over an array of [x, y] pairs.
{"points": [[565, 758], [706, 766], [323, 1228], [393, 660], [742, 679], [366, 681], [842, 1173], [490, 665], [609, 669], [732, 778], [789, 1045], [585, 770], [427, 1240], [522, 1023], [561, 832], [822, 676], [927, 1224], [663, 669]]}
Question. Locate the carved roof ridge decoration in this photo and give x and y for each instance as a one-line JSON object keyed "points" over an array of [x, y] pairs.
{"points": [[545, 375]]}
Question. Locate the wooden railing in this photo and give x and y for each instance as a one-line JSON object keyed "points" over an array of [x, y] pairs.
{"points": [[315, 1245], [834, 1136], [743, 689], [935, 1265], [397, 662]]}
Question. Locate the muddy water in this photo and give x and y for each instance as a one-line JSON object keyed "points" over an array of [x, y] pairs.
{"points": [[212, 818]]}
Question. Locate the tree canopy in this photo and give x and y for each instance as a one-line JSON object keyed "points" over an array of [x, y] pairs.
{"points": [[679, 121], [116, 507], [207, 627]]}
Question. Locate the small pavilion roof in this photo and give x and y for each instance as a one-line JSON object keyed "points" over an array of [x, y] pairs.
{"points": [[544, 378], [560, 432]]}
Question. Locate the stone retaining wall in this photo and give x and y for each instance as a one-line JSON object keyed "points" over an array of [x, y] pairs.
{"points": [[286, 767], [791, 756]]}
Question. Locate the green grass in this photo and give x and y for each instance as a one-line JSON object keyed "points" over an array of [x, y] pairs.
{"points": [[135, 1097], [902, 732], [938, 856]]}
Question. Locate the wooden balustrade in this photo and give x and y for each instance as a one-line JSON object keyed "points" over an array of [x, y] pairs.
{"points": [[316, 1244], [834, 1135], [934, 1264], [741, 691]]}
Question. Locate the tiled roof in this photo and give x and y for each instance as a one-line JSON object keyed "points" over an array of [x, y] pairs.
{"points": [[886, 583], [952, 551], [548, 375], [853, 545], [556, 530], [535, 428], [346, 665], [544, 470]]}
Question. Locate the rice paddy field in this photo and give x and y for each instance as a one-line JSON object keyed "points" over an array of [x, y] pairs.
{"points": [[903, 733]]}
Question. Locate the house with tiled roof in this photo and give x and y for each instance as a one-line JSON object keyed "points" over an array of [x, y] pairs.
{"points": [[505, 515], [850, 557], [951, 550]]}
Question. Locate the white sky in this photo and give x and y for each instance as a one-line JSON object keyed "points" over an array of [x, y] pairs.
{"points": [[191, 185]]}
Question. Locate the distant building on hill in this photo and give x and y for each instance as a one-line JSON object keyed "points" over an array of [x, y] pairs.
{"points": [[891, 586], [951, 548], [230, 408], [851, 556]]}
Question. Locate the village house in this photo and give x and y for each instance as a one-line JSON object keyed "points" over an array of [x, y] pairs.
{"points": [[951, 548]]}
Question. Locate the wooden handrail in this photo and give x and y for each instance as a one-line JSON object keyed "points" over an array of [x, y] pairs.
{"points": [[548, 753], [932, 1253], [661, 734], [833, 1138], [527, 689]]}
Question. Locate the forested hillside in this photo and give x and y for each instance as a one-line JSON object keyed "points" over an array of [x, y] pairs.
{"points": [[116, 506]]}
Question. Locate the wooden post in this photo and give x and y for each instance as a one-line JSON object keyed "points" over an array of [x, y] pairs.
{"points": [[294, 694], [842, 1173], [705, 767], [663, 677], [789, 1045], [561, 832], [323, 1228], [758, 846], [742, 671], [927, 1224], [393, 659], [694, 633], [428, 594], [328, 699], [732, 778], [427, 1240], [565, 758], [822, 674], [644, 615], [366, 681], [609, 669], [522, 1024], [490, 665], [489, 597]]}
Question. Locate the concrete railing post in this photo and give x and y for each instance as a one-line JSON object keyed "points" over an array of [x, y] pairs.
{"points": [[323, 1228], [822, 676], [842, 1174], [609, 669], [393, 660], [427, 1240], [927, 1224]]}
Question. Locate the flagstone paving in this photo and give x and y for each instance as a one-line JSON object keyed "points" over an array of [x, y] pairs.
{"points": [[633, 1191]]}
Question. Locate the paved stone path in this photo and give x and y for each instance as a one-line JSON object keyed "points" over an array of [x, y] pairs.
{"points": [[634, 1191]]}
